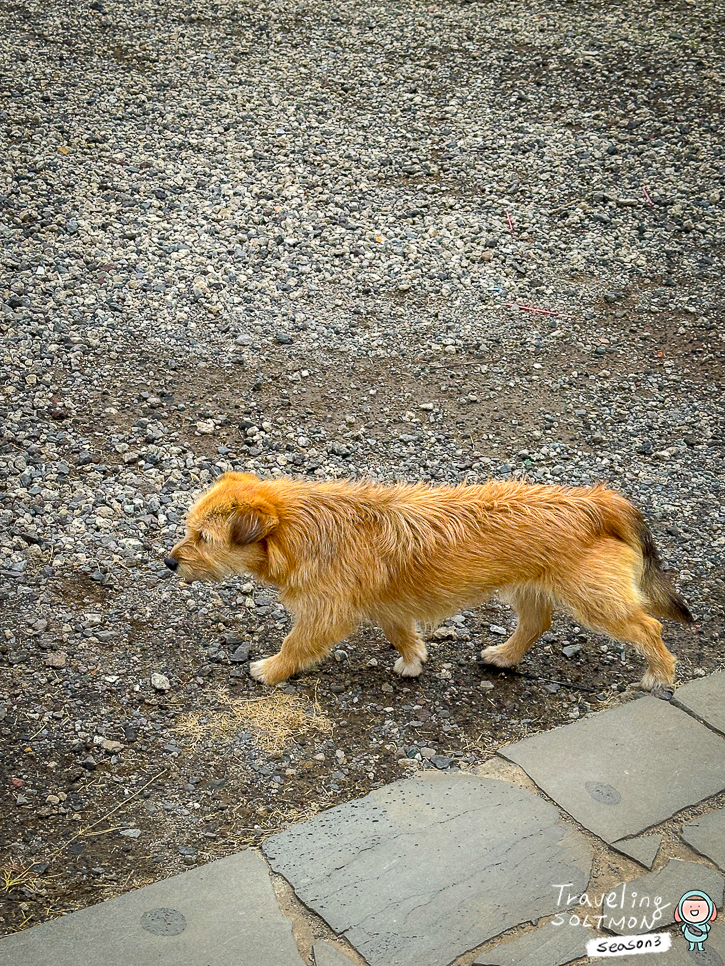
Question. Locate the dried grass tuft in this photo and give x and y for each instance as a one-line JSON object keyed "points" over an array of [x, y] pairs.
{"points": [[272, 720], [14, 876]]}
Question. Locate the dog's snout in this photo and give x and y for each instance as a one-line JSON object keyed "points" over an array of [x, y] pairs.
{"points": [[171, 563]]}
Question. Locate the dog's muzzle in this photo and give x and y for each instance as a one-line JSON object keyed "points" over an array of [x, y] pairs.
{"points": [[171, 563]]}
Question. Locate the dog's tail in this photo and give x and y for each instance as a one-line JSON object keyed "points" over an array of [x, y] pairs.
{"points": [[656, 585], [626, 522]]}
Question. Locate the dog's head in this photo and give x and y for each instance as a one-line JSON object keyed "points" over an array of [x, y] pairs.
{"points": [[226, 530]]}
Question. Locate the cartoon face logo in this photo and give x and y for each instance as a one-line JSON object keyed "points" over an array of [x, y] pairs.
{"points": [[695, 911]]}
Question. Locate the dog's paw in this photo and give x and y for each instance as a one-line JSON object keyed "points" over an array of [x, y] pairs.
{"points": [[267, 671], [648, 682], [656, 685], [497, 656], [407, 669]]}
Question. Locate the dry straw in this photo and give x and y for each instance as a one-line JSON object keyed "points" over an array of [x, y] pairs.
{"points": [[273, 720]]}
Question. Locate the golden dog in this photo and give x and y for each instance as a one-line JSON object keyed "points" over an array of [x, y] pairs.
{"points": [[345, 552]]}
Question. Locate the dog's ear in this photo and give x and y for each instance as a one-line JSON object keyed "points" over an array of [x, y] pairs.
{"points": [[252, 522]]}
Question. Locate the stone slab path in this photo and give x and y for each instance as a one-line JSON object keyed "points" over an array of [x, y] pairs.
{"points": [[674, 880], [546, 946], [707, 836], [420, 871], [642, 848], [428, 869], [678, 955], [326, 954], [221, 914], [625, 770], [705, 699]]}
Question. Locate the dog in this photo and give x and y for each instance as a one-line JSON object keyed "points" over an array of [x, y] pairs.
{"points": [[344, 552]]}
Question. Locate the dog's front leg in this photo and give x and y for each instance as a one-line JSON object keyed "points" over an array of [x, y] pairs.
{"points": [[404, 637], [306, 644]]}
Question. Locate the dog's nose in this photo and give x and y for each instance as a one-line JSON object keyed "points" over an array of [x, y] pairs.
{"points": [[171, 563]]}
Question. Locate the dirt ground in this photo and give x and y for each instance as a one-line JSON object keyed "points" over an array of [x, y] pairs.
{"points": [[193, 777], [131, 387]]}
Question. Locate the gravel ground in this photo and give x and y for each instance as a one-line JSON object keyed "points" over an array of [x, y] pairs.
{"points": [[293, 238]]}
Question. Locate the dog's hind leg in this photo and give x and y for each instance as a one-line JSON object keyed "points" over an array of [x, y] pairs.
{"points": [[643, 632], [606, 597], [534, 618], [404, 638], [307, 643]]}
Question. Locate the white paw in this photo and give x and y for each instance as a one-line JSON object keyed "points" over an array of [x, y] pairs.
{"points": [[407, 670], [651, 682], [261, 670], [496, 656]]}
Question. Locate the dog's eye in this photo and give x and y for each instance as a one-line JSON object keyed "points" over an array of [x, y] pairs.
{"points": [[201, 538]]}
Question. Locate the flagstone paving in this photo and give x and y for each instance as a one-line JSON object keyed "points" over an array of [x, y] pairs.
{"points": [[677, 955], [705, 699], [627, 769], [713, 953], [706, 835], [545, 946], [642, 849], [420, 871], [538, 948], [661, 890], [326, 954], [221, 914]]}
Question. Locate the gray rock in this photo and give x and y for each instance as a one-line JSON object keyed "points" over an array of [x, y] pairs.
{"points": [[328, 955], [705, 699], [642, 849], [441, 761], [602, 770], [422, 870], [668, 886], [160, 682], [224, 913], [232, 637], [544, 946], [706, 835]]}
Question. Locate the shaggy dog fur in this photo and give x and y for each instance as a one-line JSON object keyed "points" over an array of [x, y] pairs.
{"points": [[345, 552]]}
